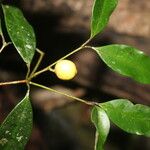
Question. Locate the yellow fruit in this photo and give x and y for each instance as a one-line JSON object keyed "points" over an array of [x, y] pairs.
{"points": [[65, 69]]}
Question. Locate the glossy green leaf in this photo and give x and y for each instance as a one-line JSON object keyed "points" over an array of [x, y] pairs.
{"points": [[20, 32], [102, 124], [127, 61], [131, 118], [16, 129], [102, 9]]}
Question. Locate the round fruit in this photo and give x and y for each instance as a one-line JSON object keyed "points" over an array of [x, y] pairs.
{"points": [[65, 69]]}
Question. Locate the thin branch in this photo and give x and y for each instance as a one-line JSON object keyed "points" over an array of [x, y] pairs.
{"points": [[28, 71], [4, 43], [38, 62], [67, 95], [13, 82], [50, 66], [76, 50], [4, 46]]}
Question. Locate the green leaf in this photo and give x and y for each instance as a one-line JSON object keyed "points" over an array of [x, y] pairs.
{"points": [[127, 61], [102, 9], [131, 118], [20, 32], [16, 129], [102, 124]]}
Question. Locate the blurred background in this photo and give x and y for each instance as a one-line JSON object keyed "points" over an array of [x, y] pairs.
{"points": [[61, 26]]}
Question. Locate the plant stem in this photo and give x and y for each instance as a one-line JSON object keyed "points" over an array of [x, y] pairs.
{"points": [[4, 45], [89, 47], [41, 71], [76, 50], [38, 62], [50, 66], [28, 71], [13, 82], [59, 92]]}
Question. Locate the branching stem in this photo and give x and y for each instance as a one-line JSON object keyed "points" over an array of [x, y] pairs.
{"points": [[4, 45], [34, 73]]}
